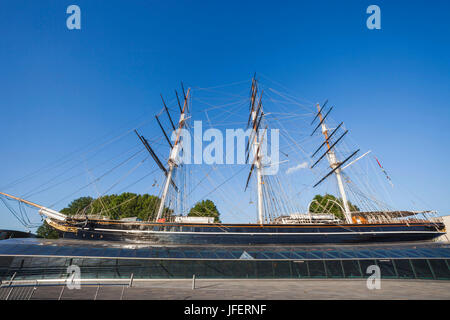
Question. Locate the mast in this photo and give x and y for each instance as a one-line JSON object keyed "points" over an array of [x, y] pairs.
{"points": [[173, 156], [333, 161], [257, 150], [42, 210], [22, 200], [255, 117]]}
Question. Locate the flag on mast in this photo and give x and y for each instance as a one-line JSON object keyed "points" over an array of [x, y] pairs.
{"points": [[385, 173]]}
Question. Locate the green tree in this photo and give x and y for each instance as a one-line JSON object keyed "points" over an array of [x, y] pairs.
{"points": [[113, 206], [205, 208], [127, 205], [78, 206], [327, 203], [46, 231]]}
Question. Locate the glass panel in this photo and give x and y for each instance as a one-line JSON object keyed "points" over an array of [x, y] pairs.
{"points": [[347, 254], [191, 254], [96, 252], [91, 262], [135, 266], [161, 253], [410, 253], [287, 255], [440, 268], [54, 272], [37, 262], [428, 253], [364, 265], [334, 268], [237, 254], [155, 269], [316, 269], [300, 269], [208, 255], [381, 253], [61, 251], [264, 269], [227, 269], [80, 252], [396, 254], [404, 268], [111, 252], [127, 253], [257, 255], [108, 262], [213, 269], [8, 249], [331, 254], [351, 268], [27, 250], [299, 254], [25, 262], [199, 268], [108, 269], [314, 255], [45, 250], [363, 254], [175, 254], [5, 262], [386, 268], [422, 268], [273, 255], [224, 255], [443, 252], [142, 253], [244, 269], [129, 262], [281, 269]]}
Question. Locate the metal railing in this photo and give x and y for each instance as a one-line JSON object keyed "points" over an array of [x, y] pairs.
{"points": [[57, 289]]}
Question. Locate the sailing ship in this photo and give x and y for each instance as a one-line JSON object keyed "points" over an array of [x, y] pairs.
{"points": [[310, 228]]}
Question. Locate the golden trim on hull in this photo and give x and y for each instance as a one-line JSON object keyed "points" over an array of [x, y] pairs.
{"points": [[61, 227]]}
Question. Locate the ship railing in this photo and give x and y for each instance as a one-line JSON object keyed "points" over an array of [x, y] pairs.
{"points": [[396, 217], [381, 217], [306, 220], [103, 217]]}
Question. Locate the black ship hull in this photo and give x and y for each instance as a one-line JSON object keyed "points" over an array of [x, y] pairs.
{"points": [[8, 234], [170, 233]]}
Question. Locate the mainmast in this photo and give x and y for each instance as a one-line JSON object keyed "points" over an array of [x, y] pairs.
{"points": [[256, 115], [257, 153], [334, 163]]}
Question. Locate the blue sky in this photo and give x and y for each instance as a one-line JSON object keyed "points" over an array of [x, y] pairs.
{"points": [[61, 89]]}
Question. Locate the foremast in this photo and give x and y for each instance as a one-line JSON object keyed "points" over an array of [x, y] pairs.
{"points": [[175, 150]]}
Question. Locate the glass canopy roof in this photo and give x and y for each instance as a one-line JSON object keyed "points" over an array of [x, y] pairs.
{"points": [[75, 248]]}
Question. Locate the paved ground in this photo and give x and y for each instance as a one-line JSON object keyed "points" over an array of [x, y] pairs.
{"points": [[239, 290]]}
